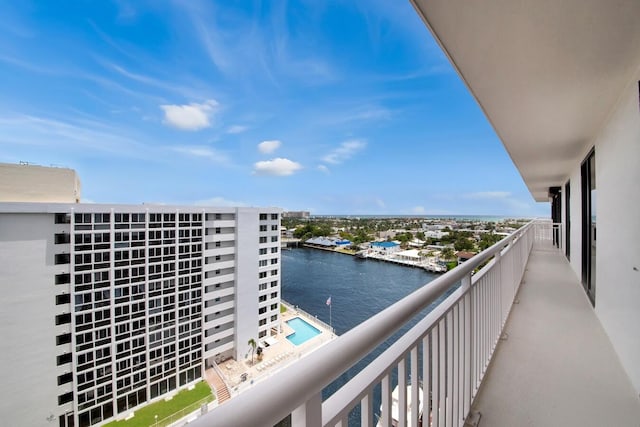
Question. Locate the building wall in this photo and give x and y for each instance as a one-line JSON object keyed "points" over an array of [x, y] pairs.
{"points": [[269, 265], [258, 276], [246, 281], [618, 233], [617, 301], [27, 323], [31, 183], [153, 296]]}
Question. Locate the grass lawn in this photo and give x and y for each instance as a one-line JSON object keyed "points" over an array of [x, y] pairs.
{"points": [[346, 251], [145, 416], [283, 309], [451, 265]]}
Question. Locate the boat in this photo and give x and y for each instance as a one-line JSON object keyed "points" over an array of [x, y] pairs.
{"points": [[361, 254], [435, 268], [395, 410]]}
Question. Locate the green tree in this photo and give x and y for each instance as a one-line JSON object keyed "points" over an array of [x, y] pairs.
{"points": [[361, 236], [463, 244], [323, 230], [447, 253], [301, 231], [487, 240], [346, 235]]}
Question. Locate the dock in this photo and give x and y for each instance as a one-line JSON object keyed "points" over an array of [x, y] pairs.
{"points": [[427, 265]]}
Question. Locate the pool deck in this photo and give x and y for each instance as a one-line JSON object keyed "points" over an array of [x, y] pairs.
{"points": [[274, 357]]}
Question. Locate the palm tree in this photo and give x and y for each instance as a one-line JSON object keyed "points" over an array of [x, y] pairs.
{"points": [[253, 345], [447, 253]]}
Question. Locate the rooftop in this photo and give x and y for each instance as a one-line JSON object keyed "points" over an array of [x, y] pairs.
{"points": [[384, 244]]}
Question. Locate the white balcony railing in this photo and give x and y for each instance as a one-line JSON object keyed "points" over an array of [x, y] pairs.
{"points": [[449, 350]]}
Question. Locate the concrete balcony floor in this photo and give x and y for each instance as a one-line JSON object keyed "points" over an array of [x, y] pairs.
{"points": [[557, 367]]}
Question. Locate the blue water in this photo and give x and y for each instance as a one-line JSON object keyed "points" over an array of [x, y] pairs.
{"points": [[358, 289], [303, 331]]}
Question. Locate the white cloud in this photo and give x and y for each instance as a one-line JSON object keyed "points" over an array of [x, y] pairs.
{"points": [[380, 203], [323, 168], [277, 167], [267, 147], [204, 152], [219, 202], [190, 117], [345, 151], [236, 129], [420, 210]]}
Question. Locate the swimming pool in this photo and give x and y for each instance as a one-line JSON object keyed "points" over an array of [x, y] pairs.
{"points": [[303, 331]]}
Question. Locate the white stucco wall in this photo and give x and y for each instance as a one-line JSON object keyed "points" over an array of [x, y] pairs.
{"points": [[246, 315], [27, 322], [32, 183], [618, 224], [576, 222]]}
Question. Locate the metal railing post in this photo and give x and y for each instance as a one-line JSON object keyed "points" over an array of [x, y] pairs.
{"points": [[308, 414], [366, 410]]}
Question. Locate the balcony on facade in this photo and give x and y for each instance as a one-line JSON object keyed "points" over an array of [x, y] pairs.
{"points": [[516, 343]]}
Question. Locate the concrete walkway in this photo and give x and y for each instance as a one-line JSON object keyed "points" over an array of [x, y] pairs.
{"points": [[557, 367]]}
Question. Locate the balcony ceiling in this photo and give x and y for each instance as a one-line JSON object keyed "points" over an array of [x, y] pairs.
{"points": [[546, 73]]}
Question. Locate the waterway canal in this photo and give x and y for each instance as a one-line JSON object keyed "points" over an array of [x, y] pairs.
{"points": [[358, 289]]}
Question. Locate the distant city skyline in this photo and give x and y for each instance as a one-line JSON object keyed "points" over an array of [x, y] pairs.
{"points": [[333, 108]]}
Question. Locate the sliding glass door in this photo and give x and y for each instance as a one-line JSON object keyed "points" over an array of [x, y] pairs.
{"points": [[589, 232]]}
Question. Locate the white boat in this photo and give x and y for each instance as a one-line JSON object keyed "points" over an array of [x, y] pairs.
{"points": [[362, 254], [395, 407]]}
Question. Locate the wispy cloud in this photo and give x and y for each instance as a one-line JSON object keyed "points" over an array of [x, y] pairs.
{"points": [[32, 67], [418, 210], [89, 135], [236, 129], [203, 152], [64, 72], [367, 113], [266, 147], [323, 168], [241, 46], [126, 11], [345, 151], [191, 117], [213, 40], [149, 81], [276, 167]]}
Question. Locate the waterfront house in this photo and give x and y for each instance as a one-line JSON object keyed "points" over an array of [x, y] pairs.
{"points": [[416, 243], [464, 256], [412, 255], [322, 242], [385, 248]]}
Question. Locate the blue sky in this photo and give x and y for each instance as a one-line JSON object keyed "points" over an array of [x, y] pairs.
{"points": [[337, 107]]}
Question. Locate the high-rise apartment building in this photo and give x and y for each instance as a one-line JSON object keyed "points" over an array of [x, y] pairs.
{"points": [[107, 307]]}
